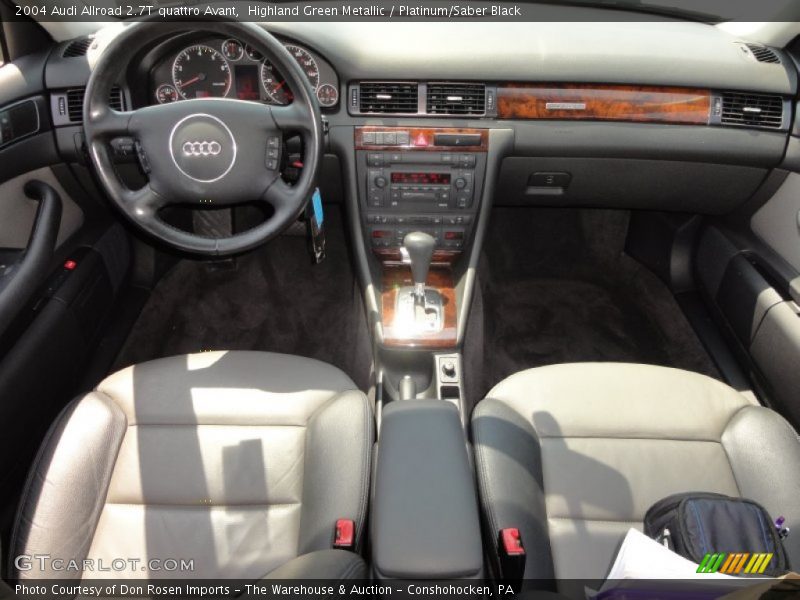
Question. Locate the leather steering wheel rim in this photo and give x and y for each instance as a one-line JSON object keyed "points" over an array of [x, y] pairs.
{"points": [[166, 134]]}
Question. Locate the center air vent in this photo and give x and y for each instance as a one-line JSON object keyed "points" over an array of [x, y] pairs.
{"points": [[77, 47], [75, 102], [456, 99], [391, 98], [763, 54], [752, 110]]}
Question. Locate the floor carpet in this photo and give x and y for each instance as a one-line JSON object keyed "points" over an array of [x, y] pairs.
{"points": [[274, 300], [557, 287]]}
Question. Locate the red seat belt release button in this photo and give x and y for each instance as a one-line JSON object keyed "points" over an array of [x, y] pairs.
{"points": [[345, 535], [512, 557], [512, 542]]}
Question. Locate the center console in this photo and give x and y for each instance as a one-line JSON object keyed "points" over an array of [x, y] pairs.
{"points": [[415, 180], [424, 516]]}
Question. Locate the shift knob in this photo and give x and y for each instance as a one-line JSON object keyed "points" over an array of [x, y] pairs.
{"points": [[419, 246]]}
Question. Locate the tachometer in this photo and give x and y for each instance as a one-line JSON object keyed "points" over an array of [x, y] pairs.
{"points": [[274, 82], [200, 72]]}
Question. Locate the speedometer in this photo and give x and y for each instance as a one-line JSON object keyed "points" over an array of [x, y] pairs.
{"points": [[275, 84], [200, 72]]}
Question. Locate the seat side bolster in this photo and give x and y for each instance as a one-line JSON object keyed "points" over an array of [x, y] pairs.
{"points": [[67, 486], [764, 453], [330, 565], [508, 459], [336, 474]]}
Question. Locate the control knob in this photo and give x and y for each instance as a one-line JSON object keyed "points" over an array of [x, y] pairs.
{"points": [[380, 182], [460, 183], [449, 368]]}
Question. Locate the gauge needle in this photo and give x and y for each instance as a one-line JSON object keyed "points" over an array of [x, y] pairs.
{"points": [[280, 85], [190, 82]]}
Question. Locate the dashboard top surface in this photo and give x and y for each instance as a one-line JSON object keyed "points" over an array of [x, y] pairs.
{"points": [[670, 53]]}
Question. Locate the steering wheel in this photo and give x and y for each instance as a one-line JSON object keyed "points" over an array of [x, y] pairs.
{"points": [[207, 152]]}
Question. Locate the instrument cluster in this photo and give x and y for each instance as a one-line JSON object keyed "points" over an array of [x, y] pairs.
{"points": [[228, 68]]}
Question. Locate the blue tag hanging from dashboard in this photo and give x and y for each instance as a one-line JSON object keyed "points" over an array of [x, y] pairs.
{"points": [[314, 224]]}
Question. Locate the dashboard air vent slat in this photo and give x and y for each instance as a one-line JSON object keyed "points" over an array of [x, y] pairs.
{"points": [[75, 102], [77, 48], [763, 54], [391, 98], [456, 99], [752, 110]]}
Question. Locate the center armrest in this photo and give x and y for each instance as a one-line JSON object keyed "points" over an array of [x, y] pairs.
{"points": [[425, 522]]}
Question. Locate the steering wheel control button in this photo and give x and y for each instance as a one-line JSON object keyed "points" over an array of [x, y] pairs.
{"points": [[202, 147], [273, 158], [143, 162]]}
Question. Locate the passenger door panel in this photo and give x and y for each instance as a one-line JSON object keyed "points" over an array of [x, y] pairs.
{"points": [[748, 268]]}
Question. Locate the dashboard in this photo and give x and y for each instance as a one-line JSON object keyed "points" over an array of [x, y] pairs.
{"points": [[228, 68]]}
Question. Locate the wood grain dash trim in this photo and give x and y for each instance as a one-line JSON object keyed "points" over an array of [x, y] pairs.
{"points": [[644, 104]]}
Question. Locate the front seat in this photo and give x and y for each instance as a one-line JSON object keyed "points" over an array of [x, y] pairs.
{"points": [[240, 462], [574, 454]]}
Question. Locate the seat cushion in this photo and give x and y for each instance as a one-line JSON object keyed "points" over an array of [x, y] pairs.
{"points": [[237, 461], [575, 454]]}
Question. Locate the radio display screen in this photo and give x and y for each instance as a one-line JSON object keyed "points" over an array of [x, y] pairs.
{"points": [[421, 178]]}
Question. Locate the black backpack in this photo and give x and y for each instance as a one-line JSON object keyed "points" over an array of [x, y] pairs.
{"points": [[719, 533]]}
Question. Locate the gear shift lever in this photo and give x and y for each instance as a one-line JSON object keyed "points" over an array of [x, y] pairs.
{"points": [[419, 246]]}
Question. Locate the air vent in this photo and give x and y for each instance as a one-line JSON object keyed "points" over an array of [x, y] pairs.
{"points": [[752, 110], [763, 54], [77, 47], [456, 99], [392, 98], [75, 102]]}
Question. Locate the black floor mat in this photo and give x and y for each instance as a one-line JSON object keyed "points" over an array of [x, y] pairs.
{"points": [[558, 288], [275, 300]]}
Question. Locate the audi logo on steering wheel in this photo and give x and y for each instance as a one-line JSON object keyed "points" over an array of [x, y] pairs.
{"points": [[212, 148]]}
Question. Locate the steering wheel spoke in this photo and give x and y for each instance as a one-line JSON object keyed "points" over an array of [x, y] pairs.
{"points": [[144, 202], [279, 194], [109, 123], [292, 117]]}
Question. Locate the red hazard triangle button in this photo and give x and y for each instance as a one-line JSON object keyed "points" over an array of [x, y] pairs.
{"points": [[420, 140]]}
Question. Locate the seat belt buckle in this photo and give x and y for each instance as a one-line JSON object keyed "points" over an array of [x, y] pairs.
{"points": [[512, 557], [344, 535]]}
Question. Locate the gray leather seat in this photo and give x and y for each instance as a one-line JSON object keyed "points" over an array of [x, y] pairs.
{"points": [[241, 462], [575, 454]]}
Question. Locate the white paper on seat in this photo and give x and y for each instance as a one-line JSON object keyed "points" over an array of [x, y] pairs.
{"points": [[641, 557]]}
